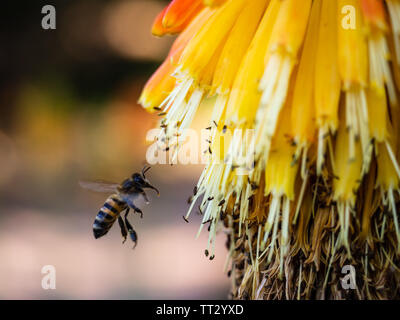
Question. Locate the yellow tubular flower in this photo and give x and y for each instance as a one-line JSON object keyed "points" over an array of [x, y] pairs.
{"points": [[176, 17], [244, 99], [388, 177], [353, 59], [280, 177], [348, 168], [379, 113], [303, 110], [196, 68], [327, 83], [379, 55], [232, 54], [353, 68], [303, 139], [280, 171], [348, 172], [237, 44], [180, 11], [202, 48], [158, 87], [283, 48], [214, 3], [161, 84], [394, 12]]}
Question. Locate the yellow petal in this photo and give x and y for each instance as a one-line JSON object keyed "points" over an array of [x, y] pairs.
{"points": [[327, 80], [303, 108], [237, 44], [244, 98]]}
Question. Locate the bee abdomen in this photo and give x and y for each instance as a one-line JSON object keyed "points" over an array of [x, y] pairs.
{"points": [[107, 216]]}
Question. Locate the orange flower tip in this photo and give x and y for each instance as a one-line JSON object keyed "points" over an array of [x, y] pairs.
{"points": [[157, 32], [170, 21], [160, 32], [180, 12], [374, 13], [157, 29]]}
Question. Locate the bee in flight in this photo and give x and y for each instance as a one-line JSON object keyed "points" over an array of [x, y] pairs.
{"points": [[120, 200]]}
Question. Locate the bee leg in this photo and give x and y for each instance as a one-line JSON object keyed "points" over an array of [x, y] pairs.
{"points": [[136, 209], [132, 233], [140, 212], [124, 232]]}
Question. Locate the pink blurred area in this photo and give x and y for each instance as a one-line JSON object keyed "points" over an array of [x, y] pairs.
{"points": [[52, 135], [168, 263]]}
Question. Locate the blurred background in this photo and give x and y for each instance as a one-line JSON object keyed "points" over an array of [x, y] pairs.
{"points": [[69, 112]]}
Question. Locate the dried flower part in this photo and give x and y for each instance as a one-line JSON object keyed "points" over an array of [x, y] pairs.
{"points": [[318, 83]]}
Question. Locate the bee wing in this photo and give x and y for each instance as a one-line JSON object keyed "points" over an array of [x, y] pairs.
{"points": [[105, 187]]}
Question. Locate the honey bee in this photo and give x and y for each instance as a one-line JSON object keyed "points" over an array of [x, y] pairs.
{"points": [[120, 200]]}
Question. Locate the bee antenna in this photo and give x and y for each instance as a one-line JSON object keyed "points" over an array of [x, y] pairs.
{"points": [[144, 170]]}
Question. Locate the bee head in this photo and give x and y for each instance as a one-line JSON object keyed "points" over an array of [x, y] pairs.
{"points": [[140, 180]]}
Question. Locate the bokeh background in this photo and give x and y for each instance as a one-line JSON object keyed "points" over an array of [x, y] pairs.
{"points": [[69, 112]]}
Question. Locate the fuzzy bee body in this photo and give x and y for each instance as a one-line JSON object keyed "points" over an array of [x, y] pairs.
{"points": [[120, 200], [108, 214]]}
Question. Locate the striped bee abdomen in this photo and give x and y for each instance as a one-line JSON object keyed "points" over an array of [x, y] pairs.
{"points": [[107, 215]]}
